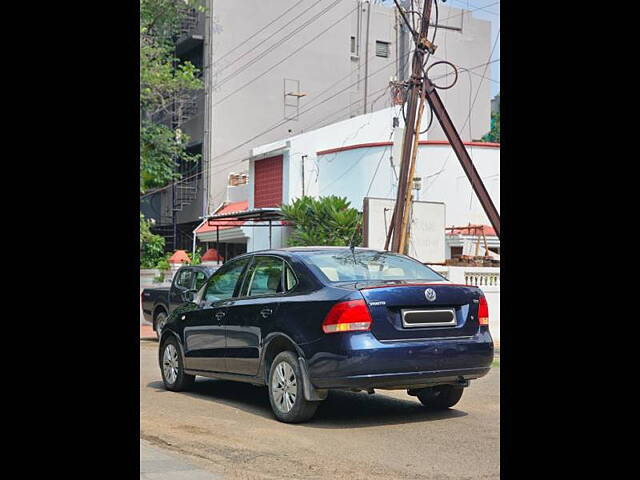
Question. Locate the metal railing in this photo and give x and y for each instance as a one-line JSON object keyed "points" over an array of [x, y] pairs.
{"points": [[190, 23]]}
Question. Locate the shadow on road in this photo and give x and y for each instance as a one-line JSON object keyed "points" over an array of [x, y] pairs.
{"points": [[341, 409]]}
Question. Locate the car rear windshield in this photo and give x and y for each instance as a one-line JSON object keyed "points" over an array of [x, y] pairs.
{"points": [[345, 266]]}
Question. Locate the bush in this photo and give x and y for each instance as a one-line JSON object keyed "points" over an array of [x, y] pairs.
{"points": [[151, 246], [325, 221]]}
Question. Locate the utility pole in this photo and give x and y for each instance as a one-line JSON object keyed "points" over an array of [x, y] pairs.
{"points": [[418, 82], [415, 83]]}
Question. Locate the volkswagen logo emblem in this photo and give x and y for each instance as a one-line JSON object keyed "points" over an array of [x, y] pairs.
{"points": [[430, 294]]}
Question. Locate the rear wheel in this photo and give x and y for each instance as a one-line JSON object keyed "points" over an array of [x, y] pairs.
{"points": [[161, 320], [172, 367], [440, 397], [286, 393]]}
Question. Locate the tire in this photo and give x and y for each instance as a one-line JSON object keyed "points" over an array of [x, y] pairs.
{"points": [[440, 397], [286, 393], [159, 322], [172, 368]]}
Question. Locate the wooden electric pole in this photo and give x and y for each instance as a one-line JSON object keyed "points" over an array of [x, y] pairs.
{"points": [[415, 84]]}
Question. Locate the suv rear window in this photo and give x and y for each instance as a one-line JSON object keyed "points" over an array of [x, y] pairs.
{"points": [[363, 265]]}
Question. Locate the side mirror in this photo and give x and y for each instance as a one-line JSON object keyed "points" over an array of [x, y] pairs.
{"points": [[189, 295]]}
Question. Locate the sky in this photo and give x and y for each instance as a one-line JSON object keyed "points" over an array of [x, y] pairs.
{"points": [[485, 10]]}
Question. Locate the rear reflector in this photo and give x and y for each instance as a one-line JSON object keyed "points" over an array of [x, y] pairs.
{"points": [[483, 311], [350, 316]]}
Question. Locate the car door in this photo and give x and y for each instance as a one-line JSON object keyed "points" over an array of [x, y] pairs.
{"points": [[253, 313], [204, 330], [182, 283]]}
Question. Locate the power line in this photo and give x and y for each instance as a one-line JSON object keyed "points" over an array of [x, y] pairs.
{"points": [[253, 35], [437, 174], [225, 164], [352, 166], [245, 84], [304, 111], [277, 44], [297, 50], [282, 122]]}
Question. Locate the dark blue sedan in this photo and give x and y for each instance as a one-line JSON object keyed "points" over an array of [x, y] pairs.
{"points": [[305, 320]]}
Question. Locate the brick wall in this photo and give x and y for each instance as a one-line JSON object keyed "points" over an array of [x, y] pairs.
{"points": [[268, 182]]}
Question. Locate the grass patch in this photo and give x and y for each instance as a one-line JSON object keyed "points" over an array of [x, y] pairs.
{"points": [[496, 362]]}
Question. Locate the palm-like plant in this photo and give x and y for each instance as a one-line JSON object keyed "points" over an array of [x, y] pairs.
{"points": [[325, 221]]}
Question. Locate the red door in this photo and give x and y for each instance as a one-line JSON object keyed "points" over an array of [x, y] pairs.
{"points": [[268, 183]]}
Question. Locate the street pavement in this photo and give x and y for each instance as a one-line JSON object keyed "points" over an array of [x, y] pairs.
{"points": [[156, 464], [227, 428]]}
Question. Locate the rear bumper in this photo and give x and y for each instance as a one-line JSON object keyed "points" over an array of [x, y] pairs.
{"points": [[402, 379], [359, 360]]}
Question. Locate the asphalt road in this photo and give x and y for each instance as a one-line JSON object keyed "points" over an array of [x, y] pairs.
{"points": [[227, 428]]}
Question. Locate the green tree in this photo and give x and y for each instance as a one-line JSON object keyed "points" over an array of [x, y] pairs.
{"points": [[325, 221], [494, 133], [164, 82], [151, 246]]}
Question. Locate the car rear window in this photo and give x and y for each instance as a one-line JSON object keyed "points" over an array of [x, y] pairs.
{"points": [[363, 265]]}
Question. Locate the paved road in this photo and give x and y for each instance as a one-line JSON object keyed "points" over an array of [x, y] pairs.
{"points": [[227, 428]]}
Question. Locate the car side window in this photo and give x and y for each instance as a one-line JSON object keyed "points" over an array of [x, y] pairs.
{"points": [[265, 277], [222, 283], [185, 278], [291, 280], [201, 279]]}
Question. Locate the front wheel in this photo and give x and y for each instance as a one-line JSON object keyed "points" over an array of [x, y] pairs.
{"points": [[172, 367], [440, 397], [286, 393]]}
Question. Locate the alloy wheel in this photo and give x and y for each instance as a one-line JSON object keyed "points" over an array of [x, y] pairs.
{"points": [[284, 387], [170, 363]]}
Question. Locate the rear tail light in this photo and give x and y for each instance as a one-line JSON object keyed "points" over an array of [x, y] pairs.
{"points": [[350, 316], [483, 311]]}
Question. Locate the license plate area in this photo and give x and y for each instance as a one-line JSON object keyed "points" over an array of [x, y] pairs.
{"points": [[413, 318]]}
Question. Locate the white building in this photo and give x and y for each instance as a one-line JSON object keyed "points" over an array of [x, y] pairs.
{"points": [[357, 157]]}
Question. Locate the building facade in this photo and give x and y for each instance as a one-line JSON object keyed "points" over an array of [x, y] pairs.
{"points": [[277, 69], [358, 158]]}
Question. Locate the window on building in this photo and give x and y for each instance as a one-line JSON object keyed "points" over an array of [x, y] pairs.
{"points": [[353, 45], [456, 252], [382, 49]]}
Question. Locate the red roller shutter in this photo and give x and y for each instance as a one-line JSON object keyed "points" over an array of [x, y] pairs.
{"points": [[268, 182]]}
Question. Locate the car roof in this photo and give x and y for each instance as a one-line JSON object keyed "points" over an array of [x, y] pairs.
{"points": [[294, 250]]}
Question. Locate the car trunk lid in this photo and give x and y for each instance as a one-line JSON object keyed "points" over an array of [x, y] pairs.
{"points": [[406, 311]]}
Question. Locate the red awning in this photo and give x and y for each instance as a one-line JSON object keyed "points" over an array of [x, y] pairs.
{"points": [[210, 226]]}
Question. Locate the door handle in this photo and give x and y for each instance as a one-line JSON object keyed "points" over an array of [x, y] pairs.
{"points": [[265, 312], [220, 315]]}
